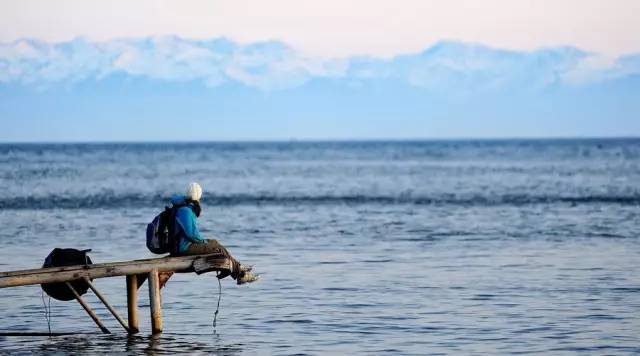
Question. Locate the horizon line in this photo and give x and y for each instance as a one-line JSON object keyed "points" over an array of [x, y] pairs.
{"points": [[327, 140]]}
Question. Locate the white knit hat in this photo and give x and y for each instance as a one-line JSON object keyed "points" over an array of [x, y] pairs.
{"points": [[194, 192]]}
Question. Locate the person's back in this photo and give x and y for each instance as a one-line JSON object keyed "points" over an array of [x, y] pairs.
{"points": [[185, 228]]}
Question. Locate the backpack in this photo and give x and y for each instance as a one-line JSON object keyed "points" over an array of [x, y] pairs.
{"points": [[60, 257], [160, 232]]}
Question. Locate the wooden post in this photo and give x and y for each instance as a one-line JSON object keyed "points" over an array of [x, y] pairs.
{"points": [[154, 302], [132, 303], [106, 304], [88, 309]]}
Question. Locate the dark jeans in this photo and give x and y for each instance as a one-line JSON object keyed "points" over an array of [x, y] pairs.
{"points": [[212, 246]]}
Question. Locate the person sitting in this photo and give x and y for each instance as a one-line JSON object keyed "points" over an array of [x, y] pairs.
{"points": [[190, 242]]}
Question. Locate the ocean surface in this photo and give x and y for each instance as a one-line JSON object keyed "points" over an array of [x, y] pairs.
{"points": [[426, 247]]}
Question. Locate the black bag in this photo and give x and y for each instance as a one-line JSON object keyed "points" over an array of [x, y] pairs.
{"points": [[60, 257], [160, 239]]}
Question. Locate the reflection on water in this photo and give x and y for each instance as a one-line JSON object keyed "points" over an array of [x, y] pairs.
{"points": [[165, 344]]}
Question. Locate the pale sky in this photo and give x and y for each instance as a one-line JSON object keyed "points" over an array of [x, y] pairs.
{"points": [[339, 28]]}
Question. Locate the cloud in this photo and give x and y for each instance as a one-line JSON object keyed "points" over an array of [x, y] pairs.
{"points": [[335, 28], [597, 68], [272, 65]]}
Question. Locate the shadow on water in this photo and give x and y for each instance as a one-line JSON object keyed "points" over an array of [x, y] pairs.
{"points": [[165, 344]]}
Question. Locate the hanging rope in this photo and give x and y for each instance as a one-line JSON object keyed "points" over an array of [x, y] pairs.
{"points": [[47, 311], [215, 315]]}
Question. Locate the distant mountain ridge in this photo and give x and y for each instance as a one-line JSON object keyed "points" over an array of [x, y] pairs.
{"points": [[169, 88], [273, 65]]}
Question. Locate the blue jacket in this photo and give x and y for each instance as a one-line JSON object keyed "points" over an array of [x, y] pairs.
{"points": [[187, 225]]}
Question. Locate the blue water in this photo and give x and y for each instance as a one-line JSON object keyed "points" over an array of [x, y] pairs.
{"points": [[437, 247]]}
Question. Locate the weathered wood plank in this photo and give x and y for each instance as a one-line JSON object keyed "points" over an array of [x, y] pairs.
{"points": [[153, 261], [102, 270]]}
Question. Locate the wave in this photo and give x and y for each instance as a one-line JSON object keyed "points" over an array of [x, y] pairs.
{"points": [[115, 201]]}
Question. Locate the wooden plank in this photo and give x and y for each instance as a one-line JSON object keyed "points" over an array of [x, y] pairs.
{"points": [[154, 302], [153, 261], [132, 304], [106, 304], [88, 309], [102, 270]]}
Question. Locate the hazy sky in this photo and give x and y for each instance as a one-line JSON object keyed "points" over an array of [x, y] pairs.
{"points": [[80, 70], [337, 28]]}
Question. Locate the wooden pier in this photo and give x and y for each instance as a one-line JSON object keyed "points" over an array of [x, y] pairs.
{"points": [[156, 270]]}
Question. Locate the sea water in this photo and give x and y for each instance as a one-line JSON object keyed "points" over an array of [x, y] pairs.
{"points": [[425, 247]]}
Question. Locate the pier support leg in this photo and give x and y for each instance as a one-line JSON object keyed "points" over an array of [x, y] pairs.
{"points": [[132, 303], [88, 309], [154, 302], [106, 304]]}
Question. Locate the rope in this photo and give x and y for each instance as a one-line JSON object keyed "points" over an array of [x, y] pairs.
{"points": [[47, 311], [215, 315]]}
